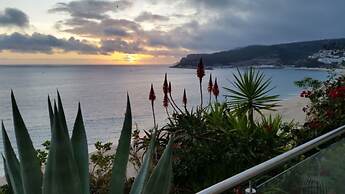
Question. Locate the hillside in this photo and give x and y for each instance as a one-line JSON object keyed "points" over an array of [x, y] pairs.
{"points": [[296, 54]]}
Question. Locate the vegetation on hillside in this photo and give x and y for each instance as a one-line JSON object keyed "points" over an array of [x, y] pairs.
{"points": [[289, 54]]}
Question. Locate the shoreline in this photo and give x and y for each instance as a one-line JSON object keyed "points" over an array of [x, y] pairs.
{"points": [[265, 67]]}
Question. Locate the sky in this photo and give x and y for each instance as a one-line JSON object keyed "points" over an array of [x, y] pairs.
{"points": [[155, 31]]}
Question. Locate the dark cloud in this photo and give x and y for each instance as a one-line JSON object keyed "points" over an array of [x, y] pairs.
{"points": [[206, 25], [236, 23], [149, 17], [118, 45], [90, 9], [13, 17], [40, 43], [106, 28]]}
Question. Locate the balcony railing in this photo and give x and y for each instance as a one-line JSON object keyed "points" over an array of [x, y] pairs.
{"points": [[268, 165]]}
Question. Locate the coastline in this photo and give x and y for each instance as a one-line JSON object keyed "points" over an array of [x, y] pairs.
{"points": [[264, 67]]}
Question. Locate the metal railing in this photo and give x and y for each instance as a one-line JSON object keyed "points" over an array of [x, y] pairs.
{"points": [[272, 163]]}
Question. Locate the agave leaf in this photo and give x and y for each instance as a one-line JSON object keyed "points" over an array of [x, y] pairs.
{"points": [[61, 173], [51, 113], [11, 164], [48, 177], [160, 179], [7, 176], [30, 165], [80, 149], [122, 154], [62, 118], [143, 174]]}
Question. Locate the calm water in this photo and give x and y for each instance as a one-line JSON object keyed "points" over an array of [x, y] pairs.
{"points": [[102, 93]]}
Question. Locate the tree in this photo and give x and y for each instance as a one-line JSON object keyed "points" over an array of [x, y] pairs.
{"points": [[251, 93]]}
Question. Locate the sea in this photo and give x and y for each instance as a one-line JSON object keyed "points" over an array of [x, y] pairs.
{"points": [[102, 91]]}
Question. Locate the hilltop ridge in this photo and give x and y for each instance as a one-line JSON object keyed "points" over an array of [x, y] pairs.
{"points": [[326, 53]]}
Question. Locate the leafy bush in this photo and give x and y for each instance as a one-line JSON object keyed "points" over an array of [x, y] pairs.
{"points": [[326, 110]]}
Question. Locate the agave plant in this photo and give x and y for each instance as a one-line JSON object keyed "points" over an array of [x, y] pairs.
{"points": [[67, 168], [251, 93]]}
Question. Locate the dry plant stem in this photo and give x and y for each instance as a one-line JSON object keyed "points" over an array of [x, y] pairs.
{"points": [[209, 101], [172, 105], [173, 102], [153, 114], [201, 99], [167, 111]]}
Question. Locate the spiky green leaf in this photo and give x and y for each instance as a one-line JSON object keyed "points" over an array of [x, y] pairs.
{"points": [[30, 166], [122, 154], [80, 149], [160, 180], [62, 172], [7, 176], [12, 164], [143, 174], [48, 175]]}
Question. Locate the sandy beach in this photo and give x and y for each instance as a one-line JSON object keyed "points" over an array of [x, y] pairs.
{"points": [[291, 109]]}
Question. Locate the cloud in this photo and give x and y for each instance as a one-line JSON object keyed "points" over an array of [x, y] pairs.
{"points": [[201, 25], [40, 43], [106, 28], [227, 24], [90, 9], [149, 17], [13, 17], [118, 45]]}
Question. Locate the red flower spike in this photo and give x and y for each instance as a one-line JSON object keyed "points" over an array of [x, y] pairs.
{"points": [[210, 84], [169, 88], [165, 101], [152, 95], [165, 84], [200, 71], [215, 88], [184, 99]]}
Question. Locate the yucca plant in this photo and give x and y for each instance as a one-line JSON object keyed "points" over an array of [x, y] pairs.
{"points": [[67, 169], [251, 93]]}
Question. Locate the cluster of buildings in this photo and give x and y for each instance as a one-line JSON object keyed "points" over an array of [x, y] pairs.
{"points": [[336, 57]]}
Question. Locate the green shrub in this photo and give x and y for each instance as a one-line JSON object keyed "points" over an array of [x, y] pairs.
{"points": [[326, 110]]}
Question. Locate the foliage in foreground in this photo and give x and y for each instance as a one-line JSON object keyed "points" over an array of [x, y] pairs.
{"points": [[215, 142], [67, 167], [326, 110]]}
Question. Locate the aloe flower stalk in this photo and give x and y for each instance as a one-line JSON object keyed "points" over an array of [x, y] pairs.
{"points": [[165, 101], [200, 71], [152, 98], [184, 99], [215, 89], [166, 104], [165, 85], [210, 88]]}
